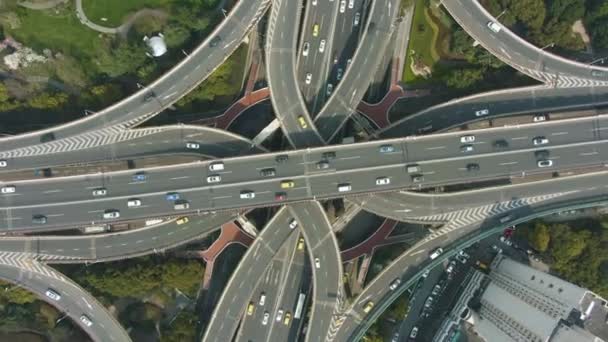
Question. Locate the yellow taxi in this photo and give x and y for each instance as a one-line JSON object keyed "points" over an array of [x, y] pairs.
{"points": [[182, 220], [250, 309], [368, 306], [287, 184], [301, 244], [287, 318], [302, 121], [315, 30]]}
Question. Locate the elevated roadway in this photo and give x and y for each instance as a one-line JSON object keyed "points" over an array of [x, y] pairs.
{"points": [[328, 293], [523, 56], [163, 92], [412, 264], [573, 143], [365, 62], [526, 100], [114, 246], [240, 288], [281, 54], [75, 301], [134, 144]]}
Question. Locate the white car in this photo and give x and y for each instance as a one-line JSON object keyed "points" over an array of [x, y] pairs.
{"points": [[348, 61], [86, 320], [193, 145], [494, 26], [466, 148], [265, 319], [317, 263], [482, 112], [436, 253], [539, 118], [133, 202], [314, 2], [262, 299], [322, 46], [247, 194], [218, 166], [467, 139], [545, 163], [279, 315], [540, 141], [100, 192], [308, 78], [383, 181], [330, 88], [305, 49], [8, 189], [342, 6], [351, 4], [395, 284], [3, 163], [53, 295], [357, 19], [111, 214], [214, 179], [293, 223]]}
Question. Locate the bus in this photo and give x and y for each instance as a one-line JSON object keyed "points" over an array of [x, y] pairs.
{"points": [[299, 306]]}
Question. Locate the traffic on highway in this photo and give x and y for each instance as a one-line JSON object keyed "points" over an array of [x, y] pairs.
{"points": [[454, 171]]}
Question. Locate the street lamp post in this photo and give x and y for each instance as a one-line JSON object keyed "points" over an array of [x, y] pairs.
{"points": [[501, 14], [598, 60], [548, 46]]}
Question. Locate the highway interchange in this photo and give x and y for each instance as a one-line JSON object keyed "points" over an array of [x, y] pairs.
{"points": [[377, 177]]}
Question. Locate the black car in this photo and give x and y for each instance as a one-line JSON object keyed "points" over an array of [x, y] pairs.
{"points": [[149, 96], [322, 165], [282, 158], [329, 155], [215, 41], [541, 154], [502, 143], [270, 172], [472, 167]]}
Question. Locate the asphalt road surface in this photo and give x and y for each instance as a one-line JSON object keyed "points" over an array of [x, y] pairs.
{"points": [[572, 143]]}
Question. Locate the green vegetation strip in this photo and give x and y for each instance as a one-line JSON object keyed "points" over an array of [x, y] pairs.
{"points": [[115, 11], [423, 37]]}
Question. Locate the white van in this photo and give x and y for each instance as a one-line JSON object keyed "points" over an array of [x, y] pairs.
{"points": [[344, 187], [182, 205], [217, 166]]}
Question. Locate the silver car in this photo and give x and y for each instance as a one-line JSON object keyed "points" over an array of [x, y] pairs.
{"points": [[100, 192], [53, 294]]}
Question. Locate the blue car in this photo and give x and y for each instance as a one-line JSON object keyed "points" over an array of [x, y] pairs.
{"points": [[172, 196], [139, 177]]}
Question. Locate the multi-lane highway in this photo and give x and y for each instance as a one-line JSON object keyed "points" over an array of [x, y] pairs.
{"points": [[501, 103], [349, 92], [515, 51], [135, 144], [287, 100], [326, 264], [325, 172], [243, 282], [84, 310], [113, 246]]}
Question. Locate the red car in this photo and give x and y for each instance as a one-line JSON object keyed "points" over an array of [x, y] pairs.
{"points": [[280, 196]]}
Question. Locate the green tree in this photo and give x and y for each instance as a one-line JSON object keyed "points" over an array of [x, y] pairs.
{"points": [[181, 329], [463, 78], [11, 293], [122, 59], [48, 101], [539, 237], [185, 277], [4, 95], [176, 35]]}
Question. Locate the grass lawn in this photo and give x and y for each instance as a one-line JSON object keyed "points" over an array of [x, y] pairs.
{"points": [[116, 10], [423, 38], [61, 32]]}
